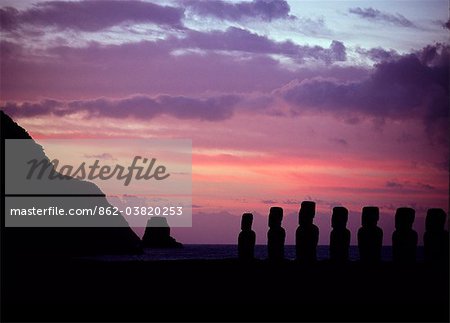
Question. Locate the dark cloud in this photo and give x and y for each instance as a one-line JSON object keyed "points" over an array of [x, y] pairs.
{"points": [[426, 186], [291, 202], [414, 85], [411, 187], [378, 54], [232, 39], [150, 67], [144, 67], [93, 15], [141, 107], [377, 15], [446, 25], [392, 184], [8, 18], [269, 202], [339, 141], [32, 109], [9, 50], [266, 10], [237, 39], [337, 52]]}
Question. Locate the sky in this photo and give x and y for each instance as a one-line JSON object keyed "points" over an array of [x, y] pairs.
{"points": [[339, 102]]}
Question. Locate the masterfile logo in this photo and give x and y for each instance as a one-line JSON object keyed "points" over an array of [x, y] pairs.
{"points": [[92, 182], [96, 170]]}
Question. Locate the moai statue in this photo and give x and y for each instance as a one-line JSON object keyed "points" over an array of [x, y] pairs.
{"points": [[247, 238], [276, 234], [404, 238], [340, 235], [307, 234], [435, 238], [370, 236]]}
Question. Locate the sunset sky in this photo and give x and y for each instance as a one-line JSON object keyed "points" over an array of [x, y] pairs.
{"points": [[340, 102]]}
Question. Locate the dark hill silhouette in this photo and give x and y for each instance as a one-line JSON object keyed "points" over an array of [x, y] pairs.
{"points": [[89, 237]]}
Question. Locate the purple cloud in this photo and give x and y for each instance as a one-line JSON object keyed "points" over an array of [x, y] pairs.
{"points": [[339, 141], [266, 10], [377, 15], [411, 187], [93, 15], [415, 85], [8, 18], [291, 202], [446, 25], [31, 109], [144, 67], [392, 184], [426, 186], [237, 39], [378, 54], [269, 202], [142, 107], [232, 39]]}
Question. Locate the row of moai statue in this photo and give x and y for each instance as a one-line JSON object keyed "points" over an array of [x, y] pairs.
{"points": [[370, 236]]}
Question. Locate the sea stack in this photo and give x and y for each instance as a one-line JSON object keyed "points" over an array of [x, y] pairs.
{"points": [[157, 234]]}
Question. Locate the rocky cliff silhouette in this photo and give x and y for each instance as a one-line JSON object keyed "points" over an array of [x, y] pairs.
{"points": [[91, 236]]}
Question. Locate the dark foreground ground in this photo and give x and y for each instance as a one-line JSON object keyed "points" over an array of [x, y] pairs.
{"points": [[223, 290]]}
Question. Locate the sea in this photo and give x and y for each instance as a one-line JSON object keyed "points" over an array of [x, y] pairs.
{"points": [[222, 251]]}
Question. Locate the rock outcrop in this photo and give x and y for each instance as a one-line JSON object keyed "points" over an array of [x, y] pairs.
{"points": [[157, 234]]}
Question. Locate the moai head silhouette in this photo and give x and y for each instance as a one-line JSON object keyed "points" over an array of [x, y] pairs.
{"points": [[307, 212], [275, 217], [435, 220], [246, 222], [370, 216], [339, 217], [404, 218]]}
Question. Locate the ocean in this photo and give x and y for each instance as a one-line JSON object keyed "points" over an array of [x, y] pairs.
{"points": [[220, 251]]}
